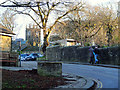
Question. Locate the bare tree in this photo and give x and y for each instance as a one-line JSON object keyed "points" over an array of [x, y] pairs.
{"points": [[64, 29], [81, 25], [43, 10], [8, 19], [94, 23]]}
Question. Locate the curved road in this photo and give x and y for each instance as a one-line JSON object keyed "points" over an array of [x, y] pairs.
{"points": [[108, 76]]}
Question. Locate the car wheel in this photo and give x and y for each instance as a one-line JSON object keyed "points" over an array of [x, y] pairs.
{"points": [[34, 59]]}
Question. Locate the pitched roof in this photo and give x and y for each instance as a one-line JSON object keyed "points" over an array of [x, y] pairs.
{"points": [[5, 30]]}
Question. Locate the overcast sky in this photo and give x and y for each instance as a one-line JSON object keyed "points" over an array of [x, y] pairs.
{"points": [[22, 21]]}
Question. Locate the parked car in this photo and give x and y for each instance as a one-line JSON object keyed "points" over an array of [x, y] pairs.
{"points": [[34, 56], [28, 58], [23, 56], [40, 55]]}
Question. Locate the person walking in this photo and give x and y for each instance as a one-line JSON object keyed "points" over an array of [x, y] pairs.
{"points": [[96, 52], [91, 55]]}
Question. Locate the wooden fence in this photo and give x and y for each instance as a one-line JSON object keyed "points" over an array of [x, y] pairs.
{"points": [[9, 58]]}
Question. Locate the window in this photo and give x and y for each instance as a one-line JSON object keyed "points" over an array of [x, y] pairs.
{"points": [[29, 33]]}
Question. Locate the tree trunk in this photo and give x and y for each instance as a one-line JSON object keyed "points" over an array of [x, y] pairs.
{"points": [[46, 42]]}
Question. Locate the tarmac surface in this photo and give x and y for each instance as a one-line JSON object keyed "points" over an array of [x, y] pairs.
{"points": [[108, 76]]}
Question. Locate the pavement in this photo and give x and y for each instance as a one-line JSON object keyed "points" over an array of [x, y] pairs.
{"points": [[101, 65], [74, 81], [77, 82], [25, 65]]}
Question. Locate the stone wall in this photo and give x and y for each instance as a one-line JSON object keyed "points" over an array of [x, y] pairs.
{"points": [[80, 54], [5, 43], [110, 55], [48, 68], [71, 53]]}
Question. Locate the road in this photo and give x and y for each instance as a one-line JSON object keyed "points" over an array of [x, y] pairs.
{"points": [[108, 76]]}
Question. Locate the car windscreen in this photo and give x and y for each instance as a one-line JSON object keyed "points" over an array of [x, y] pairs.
{"points": [[35, 54], [24, 55]]}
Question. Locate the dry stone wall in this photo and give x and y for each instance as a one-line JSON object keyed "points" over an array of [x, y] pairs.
{"points": [[81, 54]]}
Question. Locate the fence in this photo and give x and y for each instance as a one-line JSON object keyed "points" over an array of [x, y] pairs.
{"points": [[9, 58]]}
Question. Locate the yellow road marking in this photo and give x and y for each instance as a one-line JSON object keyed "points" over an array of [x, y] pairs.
{"points": [[101, 84]]}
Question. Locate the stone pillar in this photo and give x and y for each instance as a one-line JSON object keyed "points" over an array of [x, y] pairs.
{"points": [[49, 68]]}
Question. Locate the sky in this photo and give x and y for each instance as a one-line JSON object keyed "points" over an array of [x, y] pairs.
{"points": [[23, 21], [95, 2]]}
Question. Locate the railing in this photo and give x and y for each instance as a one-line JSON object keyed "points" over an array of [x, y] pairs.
{"points": [[9, 58]]}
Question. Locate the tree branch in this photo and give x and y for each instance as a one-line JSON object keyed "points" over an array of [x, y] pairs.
{"points": [[39, 9], [74, 8], [94, 33], [49, 10], [20, 12]]}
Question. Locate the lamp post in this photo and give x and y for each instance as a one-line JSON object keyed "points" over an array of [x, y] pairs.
{"points": [[39, 41], [20, 51]]}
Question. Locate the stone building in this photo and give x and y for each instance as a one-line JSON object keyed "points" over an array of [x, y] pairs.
{"points": [[33, 35], [16, 44], [5, 38], [66, 42]]}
